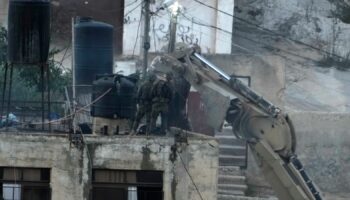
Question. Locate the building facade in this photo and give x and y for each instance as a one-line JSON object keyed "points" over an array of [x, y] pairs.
{"points": [[48, 166]]}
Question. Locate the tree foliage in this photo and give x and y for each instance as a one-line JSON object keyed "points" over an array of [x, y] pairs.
{"points": [[27, 79]]}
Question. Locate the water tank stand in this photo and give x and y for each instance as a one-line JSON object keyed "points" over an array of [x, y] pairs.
{"points": [[45, 80]]}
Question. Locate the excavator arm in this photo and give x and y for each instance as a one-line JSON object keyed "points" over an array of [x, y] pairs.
{"points": [[268, 131]]}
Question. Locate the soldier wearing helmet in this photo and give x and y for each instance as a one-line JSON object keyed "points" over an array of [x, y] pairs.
{"points": [[144, 102], [162, 94]]}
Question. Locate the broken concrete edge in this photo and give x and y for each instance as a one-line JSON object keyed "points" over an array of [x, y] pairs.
{"points": [[173, 132]]}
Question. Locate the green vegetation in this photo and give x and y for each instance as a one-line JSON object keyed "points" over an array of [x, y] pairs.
{"points": [[27, 79]]}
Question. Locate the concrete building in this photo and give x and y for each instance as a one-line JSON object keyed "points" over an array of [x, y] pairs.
{"points": [[323, 138], [122, 167]]}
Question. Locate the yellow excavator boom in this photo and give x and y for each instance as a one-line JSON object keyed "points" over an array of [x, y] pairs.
{"points": [[268, 131]]}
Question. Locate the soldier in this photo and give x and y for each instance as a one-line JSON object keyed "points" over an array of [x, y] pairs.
{"points": [[144, 102], [161, 96], [177, 109]]}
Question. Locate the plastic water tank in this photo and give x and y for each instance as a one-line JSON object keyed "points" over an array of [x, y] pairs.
{"points": [[120, 102], [28, 31], [93, 50]]}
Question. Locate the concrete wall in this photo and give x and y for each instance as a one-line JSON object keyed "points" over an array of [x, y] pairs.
{"points": [[267, 73], [310, 21], [323, 145], [71, 168]]}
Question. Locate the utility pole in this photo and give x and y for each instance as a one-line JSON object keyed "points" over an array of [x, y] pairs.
{"points": [[146, 38], [174, 9], [172, 38]]}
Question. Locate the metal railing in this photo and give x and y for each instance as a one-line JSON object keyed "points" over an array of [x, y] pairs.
{"points": [[28, 115]]}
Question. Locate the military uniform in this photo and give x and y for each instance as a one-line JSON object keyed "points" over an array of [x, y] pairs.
{"points": [[161, 97], [144, 98], [177, 108]]}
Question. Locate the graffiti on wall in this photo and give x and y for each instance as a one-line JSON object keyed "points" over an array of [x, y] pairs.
{"points": [[162, 34]]}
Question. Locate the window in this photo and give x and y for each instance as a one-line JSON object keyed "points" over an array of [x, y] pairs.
{"points": [[126, 185], [24, 183]]}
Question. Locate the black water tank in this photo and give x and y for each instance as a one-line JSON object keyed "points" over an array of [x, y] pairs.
{"points": [[28, 31], [93, 50], [120, 102]]}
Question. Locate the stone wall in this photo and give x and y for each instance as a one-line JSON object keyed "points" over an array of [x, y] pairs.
{"points": [[309, 21], [323, 146], [71, 167]]}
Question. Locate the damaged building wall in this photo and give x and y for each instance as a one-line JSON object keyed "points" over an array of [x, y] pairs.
{"points": [[71, 168]]}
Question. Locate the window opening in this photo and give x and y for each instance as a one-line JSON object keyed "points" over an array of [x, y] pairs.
{"points": [[127, 185], [24, 183]]}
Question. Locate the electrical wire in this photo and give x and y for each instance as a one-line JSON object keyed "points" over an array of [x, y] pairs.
{"points": [[112, 10], [247, 38], [64, 55], [232, 43], [132, 10], [130, 4], [290, 53], [270, 31], [75, 112], [190, 176], [137, 36]]}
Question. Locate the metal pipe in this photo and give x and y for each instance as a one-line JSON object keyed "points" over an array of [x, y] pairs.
{"points": [[42, 96], [212, 66], [73, 59], [4, 91], [146, 38], [74, 81], [9, 96], [47, 66], [172, 37]]}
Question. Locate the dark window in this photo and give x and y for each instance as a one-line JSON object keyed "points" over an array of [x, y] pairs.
{"points": [[127, 185], [24, 183]]}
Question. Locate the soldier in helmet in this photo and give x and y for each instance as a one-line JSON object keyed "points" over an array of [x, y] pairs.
{"points": [[162, 93], [177, 109], [144, 102]]}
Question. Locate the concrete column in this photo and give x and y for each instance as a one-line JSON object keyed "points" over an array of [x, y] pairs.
{"points": [[225, 22]]}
